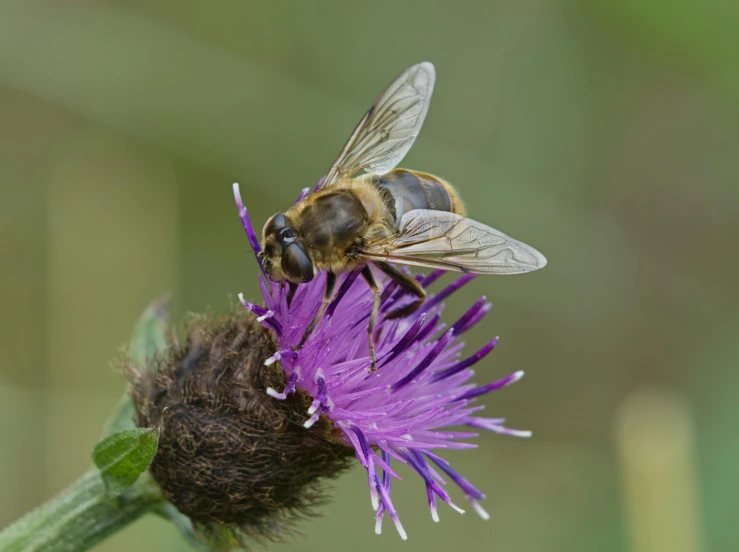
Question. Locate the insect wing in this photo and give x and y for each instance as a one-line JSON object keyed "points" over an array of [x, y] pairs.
{"points": [[437, 239], [387, 131]]}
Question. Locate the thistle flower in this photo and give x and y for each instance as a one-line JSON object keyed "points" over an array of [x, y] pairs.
{"points": [[402, 412]]}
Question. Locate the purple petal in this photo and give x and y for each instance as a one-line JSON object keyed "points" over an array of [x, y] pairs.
{"points": [[431, 277], [475, 319], [495, 425], [303, 194], [426, 362], [461, 324], [503, 382], [468, 488], [447, 291], [248, 228], [466, 363], [263, 315], [405, 341], [428, 328], [345, 285], [319, 183]]}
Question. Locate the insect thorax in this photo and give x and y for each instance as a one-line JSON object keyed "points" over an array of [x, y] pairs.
{"points": [[331, 222]]}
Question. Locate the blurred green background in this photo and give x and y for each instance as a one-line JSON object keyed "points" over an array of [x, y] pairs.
{"points": [[604, 133]]}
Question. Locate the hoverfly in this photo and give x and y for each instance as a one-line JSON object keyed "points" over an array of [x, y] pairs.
{"points": [[386, 216]]}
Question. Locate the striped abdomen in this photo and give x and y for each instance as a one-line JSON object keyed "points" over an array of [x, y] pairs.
{"points": [[405, 190]]}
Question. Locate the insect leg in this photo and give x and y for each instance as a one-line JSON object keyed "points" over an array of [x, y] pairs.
{"points": [[367, 273], [330, 283], [409, 284]]}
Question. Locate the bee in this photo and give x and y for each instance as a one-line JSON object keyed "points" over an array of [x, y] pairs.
{"points": [[387, 215]]}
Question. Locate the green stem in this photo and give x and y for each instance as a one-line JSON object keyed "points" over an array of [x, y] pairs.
{"points": [[80, 516]]}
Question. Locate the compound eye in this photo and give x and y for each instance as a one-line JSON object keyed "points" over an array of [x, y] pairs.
{"points": [[274, 224], [286, 236], [296, 263]]}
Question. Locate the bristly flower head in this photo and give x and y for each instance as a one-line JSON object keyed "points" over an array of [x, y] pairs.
{"points": [[401, 412]]}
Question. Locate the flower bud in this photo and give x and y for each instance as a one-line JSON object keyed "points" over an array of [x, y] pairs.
{"points": [[229, 454]]}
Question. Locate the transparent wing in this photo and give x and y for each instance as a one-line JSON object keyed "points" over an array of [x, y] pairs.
{"points": [[437, 239], [387, 131]]}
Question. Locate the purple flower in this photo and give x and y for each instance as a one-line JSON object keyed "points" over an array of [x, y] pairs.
{"points": [[401, 412]]}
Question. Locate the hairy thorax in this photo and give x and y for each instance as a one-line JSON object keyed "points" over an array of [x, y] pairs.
{"points": [[336, 221]]}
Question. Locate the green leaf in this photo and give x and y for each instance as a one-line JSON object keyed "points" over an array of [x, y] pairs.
{"points": [[149, 337], [124, 456]]}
